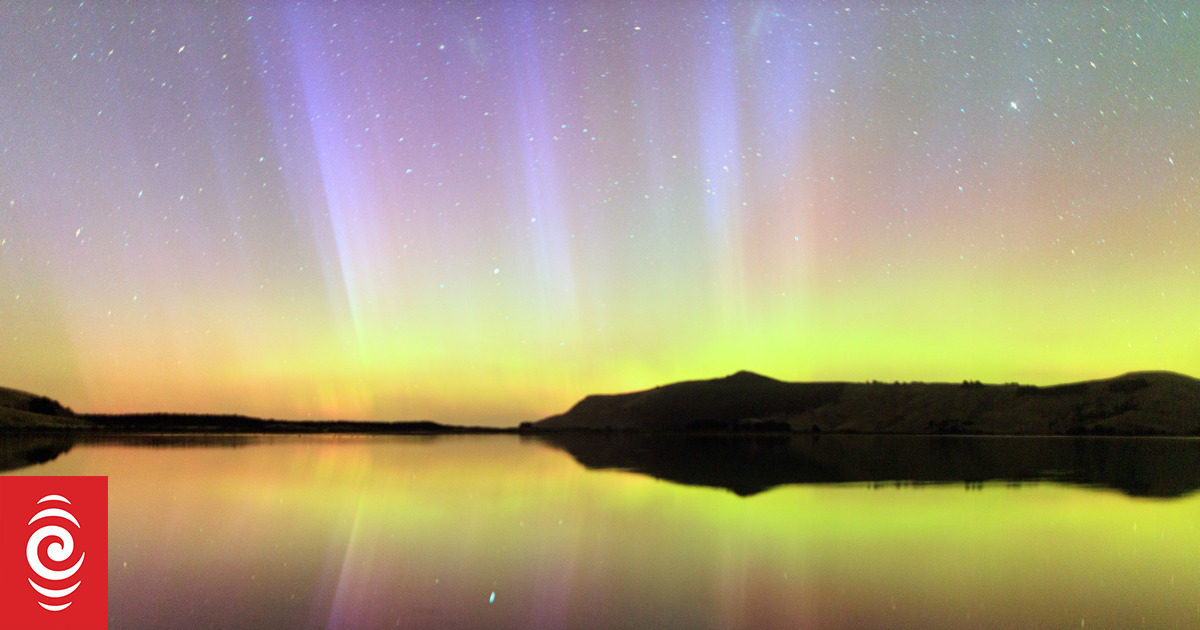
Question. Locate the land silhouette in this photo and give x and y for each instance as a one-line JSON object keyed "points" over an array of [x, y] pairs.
{"points": [[25, 412], [748, 433], [1134, 404]]}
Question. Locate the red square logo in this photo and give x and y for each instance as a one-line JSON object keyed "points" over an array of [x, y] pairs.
{"points": [[53, 553]]}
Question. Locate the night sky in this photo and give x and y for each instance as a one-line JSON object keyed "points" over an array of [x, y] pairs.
{"points": [[481, 212]]}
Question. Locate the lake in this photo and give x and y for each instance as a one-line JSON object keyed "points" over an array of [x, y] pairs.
{"points": [[514, 532]]}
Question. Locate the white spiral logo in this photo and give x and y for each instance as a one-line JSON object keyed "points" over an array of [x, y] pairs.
{"points": [[58, 551]]}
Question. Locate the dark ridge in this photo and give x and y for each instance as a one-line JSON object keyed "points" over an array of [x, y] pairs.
{"points": [[22, 413], [736, 402], [200, 423], [1140, 403]]}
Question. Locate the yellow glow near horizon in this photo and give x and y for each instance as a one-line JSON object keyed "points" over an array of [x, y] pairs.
{"points": [[282, 224]]}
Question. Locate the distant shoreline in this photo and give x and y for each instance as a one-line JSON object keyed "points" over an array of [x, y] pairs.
{"points": [[206, 424], [1139, 404]]}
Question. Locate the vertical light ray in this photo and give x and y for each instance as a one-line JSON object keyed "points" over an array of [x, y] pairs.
{"points": [[343, 192], [781, 238], [536, 203], [719, 115], [889, 191], [350, 574], [295, 152]]}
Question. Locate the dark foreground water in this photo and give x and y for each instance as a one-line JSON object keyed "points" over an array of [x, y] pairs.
{"points": [[501, 531]]}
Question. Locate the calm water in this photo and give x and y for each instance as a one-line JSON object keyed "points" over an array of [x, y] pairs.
{"points": [[499, 531]]}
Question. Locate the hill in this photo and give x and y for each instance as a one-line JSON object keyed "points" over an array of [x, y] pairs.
{"points": [[1138, 403], [22, 410]]}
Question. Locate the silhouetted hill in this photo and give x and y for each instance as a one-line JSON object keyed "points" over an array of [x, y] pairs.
{"points": [[1139, 403], [22, 410]]}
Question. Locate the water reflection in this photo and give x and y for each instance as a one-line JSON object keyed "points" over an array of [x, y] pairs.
{"points": [[1157, 467], [344, 532], [21, 451]]}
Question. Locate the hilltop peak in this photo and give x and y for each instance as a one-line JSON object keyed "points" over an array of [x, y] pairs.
{"points": [[747, 376]]}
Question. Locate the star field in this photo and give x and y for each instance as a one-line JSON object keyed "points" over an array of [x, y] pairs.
{"points": [[479, 212]]}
